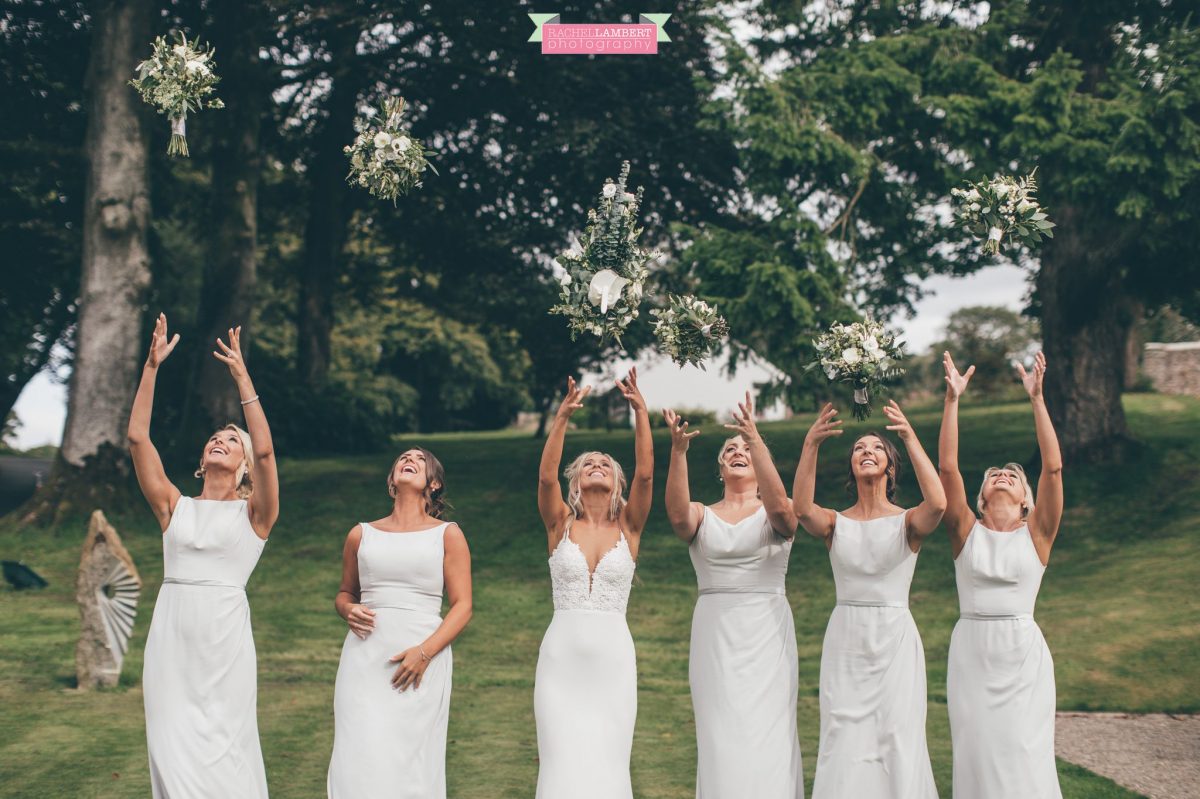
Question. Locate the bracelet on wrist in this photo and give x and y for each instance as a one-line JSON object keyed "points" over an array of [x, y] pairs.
{"points": [[246, 402], [424, 657]]}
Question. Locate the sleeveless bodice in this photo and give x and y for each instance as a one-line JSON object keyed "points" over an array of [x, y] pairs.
{"points": [[998, 574], [872, 561], [607, 589], [403, 571], [747, 557], [210, 542]]}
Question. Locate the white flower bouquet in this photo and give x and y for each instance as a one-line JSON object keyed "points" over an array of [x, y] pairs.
{"points": [[604, 274], [1003, 207], [689, 329], [862, 354], [178, 79], [384, 159]]}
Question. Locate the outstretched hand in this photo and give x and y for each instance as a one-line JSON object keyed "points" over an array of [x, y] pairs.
{"points": [[743, 420], [573, 399], [231, 354], [899, 422], [680, 437], [956, 382], [160, 346], [825, 426], [1032, 381], [630, 391]]}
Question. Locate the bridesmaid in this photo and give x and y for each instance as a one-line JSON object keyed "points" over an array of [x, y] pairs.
{"points": [[199, 679], [585, 691], [743, 664], [1000, 681], [873, 701], [391, 702]]}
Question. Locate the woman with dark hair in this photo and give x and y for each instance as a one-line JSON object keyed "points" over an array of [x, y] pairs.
{"points": [[873, 696], [1000, 682], [743, 662], [392, 698], [585, 690], [200, 678]]}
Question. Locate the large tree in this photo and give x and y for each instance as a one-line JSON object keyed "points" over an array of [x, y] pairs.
{"points": [[877, 110]]}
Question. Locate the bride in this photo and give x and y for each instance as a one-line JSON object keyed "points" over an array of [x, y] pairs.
{"points": [[585, 691]]}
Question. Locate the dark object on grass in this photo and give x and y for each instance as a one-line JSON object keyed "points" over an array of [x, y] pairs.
{"points": [[20, 576]]}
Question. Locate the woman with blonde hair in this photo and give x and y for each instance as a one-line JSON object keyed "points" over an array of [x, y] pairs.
{"points": [[392, 697], [743, 662], [199, 680], [585, 692], [873, 693], [1000, 680]]}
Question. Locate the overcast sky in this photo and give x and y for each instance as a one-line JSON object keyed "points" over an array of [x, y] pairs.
{"points": [[42, 406]]}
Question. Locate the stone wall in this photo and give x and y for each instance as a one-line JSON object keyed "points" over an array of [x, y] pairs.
{"points": [[1173, 368]]}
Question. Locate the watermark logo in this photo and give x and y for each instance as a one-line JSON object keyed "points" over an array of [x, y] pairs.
{"points": [[610, 38]]}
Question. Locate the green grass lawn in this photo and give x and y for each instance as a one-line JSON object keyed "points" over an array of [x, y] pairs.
{"points": [[1118, 607]]}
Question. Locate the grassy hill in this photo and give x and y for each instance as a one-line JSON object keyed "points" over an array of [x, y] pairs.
{"points": [[1118, 607]]}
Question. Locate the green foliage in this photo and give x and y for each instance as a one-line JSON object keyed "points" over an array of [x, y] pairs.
{"points": [[988, 337]]}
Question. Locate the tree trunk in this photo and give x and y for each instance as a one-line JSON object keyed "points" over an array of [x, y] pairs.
{"points": [[93, 459], [228, 294], [1086, 319], [325, 231]]}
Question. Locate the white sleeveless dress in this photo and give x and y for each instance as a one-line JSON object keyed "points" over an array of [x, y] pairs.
{"points": [[1000, 681], [585, 692], [873, 697], [391, 744], [743, 666], [200, 677]]}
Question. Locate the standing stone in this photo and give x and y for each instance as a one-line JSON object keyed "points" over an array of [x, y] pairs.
{"points": [[107, 592]]}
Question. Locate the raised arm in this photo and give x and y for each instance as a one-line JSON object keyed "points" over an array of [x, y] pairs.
{"points": [[1046, 515], [770, 485], [359, 618], [159, 491], [641, 487], [925, 517], [456, 571], [959, 517], [550, 502], [685, 516], [815, 520], [264, 502]]}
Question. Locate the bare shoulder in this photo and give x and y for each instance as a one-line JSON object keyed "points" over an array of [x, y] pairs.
{"points": [[454, 532], [354, 536]]}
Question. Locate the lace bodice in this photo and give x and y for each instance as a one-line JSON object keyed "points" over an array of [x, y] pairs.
{"points": [[607, 589]]}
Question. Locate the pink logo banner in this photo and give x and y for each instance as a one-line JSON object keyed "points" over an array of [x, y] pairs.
{"points": [[610, 38]]}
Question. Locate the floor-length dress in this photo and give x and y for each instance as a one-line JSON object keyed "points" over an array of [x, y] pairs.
{"points": [[873, 696], [199, 679], [1000, 681], [391, 744], [585, 693], [743, 663]]}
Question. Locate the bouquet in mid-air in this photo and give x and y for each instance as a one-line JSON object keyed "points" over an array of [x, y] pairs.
{"points": [[178, 79], [384, 159], [605, 273], [689, 329], [862, 354], [1001, 208]]}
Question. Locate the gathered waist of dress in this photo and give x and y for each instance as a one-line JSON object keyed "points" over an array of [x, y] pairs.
{"points": [[402, 599], [996, 616], [873, 603], [202, 583]]}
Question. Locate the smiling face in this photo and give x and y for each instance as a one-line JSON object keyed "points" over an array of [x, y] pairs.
{"points": [[873, 457], [596, 472], [734, 459], [599, 472], [1006, 482], [229, 450], [418, 470]]}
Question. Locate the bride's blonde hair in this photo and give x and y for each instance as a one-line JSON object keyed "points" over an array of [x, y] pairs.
{"points": [[245, 486], [575, 493]]}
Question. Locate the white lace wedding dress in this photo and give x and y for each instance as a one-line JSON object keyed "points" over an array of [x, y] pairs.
{"points": [[585, 694]]}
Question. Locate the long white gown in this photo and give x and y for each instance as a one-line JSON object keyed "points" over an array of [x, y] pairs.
{"points": [[390, 744], [585, 692], [199, 679], [743, 664], [873, 697], [1000, 681]]}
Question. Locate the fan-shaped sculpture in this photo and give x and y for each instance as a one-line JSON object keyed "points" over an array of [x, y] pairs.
{"points": [[107, 592]]}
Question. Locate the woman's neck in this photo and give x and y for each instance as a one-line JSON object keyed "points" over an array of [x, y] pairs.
{"points": [[1002, 515], [219, 486], [408, 511], [873, 500], [596, 504], [740, 492]]}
